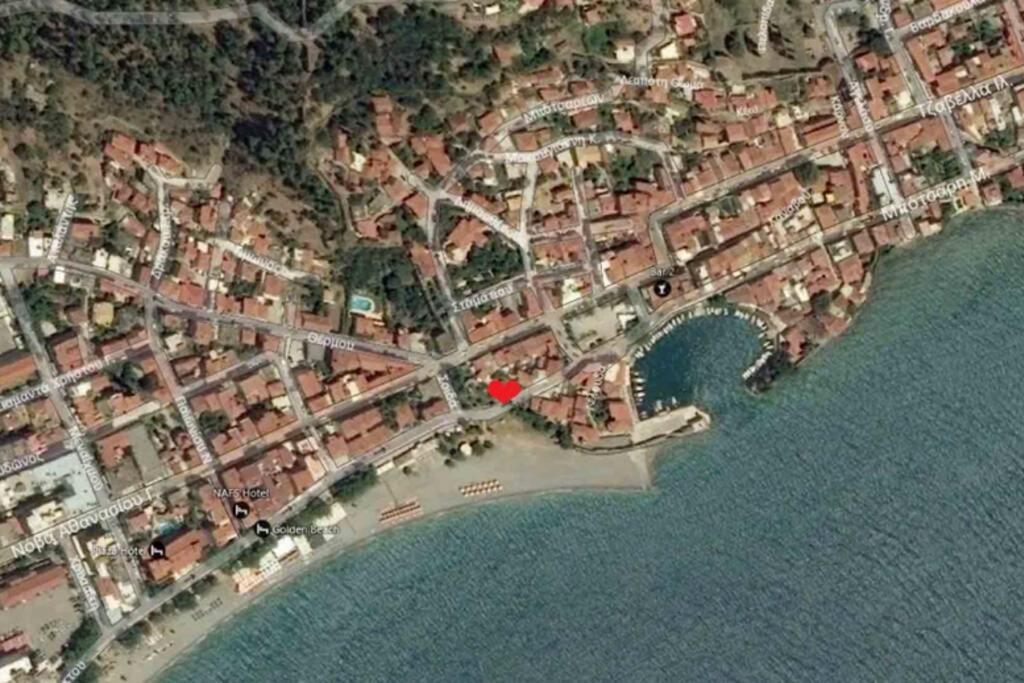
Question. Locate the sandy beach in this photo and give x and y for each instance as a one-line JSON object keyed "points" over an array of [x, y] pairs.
{"points": [[523, 462]]}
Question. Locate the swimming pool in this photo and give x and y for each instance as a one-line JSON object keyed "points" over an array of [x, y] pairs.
{"points": [[361, 304]]}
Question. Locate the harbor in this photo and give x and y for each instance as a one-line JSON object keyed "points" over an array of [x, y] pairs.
{"points": [[766, 334]]}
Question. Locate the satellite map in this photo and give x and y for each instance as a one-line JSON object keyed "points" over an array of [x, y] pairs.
{"points": [[511, 340]]}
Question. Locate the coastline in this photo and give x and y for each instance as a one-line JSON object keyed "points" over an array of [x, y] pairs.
{"points": [[118, 665], [551, 471], [814, 587]]}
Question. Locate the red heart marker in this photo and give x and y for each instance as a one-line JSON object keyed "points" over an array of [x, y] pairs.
{"points": [[504, 392]]}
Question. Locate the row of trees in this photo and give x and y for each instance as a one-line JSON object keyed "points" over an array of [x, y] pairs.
{"points": [[558, 432]]}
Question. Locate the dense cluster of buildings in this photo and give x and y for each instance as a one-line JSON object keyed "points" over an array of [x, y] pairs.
{"points": [[595, 404], [970, 47], [365, 429], [200, 356]]}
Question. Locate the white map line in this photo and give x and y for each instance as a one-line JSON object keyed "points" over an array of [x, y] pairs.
{"points": [[255, 10]]}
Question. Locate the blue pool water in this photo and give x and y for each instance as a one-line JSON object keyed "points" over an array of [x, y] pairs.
{"points": [[361, 304]]}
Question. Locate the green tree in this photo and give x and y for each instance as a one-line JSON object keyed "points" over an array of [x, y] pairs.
{"points": [[1005, 139], [354, 485], [213, 421], [133, 635], [598, 38], [130, 378], [730, 205], [807, 173], [81, 639], [875, 41], [185, 600], [936, 165]]}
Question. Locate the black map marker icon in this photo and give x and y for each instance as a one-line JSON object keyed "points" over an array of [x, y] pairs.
{"points": [[157, 549], [240, 510]]}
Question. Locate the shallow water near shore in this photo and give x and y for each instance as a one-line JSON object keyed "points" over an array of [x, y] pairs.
{"points": [[864, 520]]}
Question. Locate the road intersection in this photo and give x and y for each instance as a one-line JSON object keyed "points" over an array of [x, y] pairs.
{"points": [[432, 365]]}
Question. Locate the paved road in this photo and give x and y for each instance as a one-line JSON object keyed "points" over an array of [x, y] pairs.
{"points": [[70, 421], [461, 355], [429, 366], [300, 408], [493, 222], [657, 35], [857, 91], [261, 262], [568, 142]]}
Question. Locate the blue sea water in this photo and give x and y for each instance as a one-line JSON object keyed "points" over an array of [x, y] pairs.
{"points": [[863, 521]]}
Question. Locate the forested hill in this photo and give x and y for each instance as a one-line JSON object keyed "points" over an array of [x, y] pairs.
{"points": [[247, 83]]}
